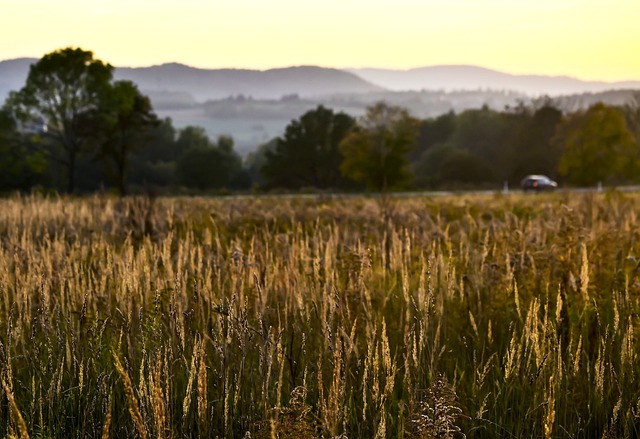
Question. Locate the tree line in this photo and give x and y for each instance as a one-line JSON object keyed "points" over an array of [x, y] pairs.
{"points": [[73, 128]]}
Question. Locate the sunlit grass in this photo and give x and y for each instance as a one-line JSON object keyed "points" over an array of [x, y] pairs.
{"points": [[493, 316]]}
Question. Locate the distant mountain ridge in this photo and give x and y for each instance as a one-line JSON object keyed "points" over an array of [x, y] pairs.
{"points": [[466, 77], [199, 85], [205, 84], [210, 84]]}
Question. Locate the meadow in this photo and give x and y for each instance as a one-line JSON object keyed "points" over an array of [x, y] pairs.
{"points": [[486, 316]]}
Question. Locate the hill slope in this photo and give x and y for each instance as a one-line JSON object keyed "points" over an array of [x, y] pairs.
{"points": [[187, 85], [203, 84], [206, 85], [463, 77]]}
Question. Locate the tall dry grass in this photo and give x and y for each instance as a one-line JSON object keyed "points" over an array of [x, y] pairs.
{"points": [[487, 316]]}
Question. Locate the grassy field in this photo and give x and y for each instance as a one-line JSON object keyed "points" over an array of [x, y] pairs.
{"points": [[490, 316]]}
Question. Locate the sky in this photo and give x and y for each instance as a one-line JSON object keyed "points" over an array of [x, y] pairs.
{"points": [[587, 39]]}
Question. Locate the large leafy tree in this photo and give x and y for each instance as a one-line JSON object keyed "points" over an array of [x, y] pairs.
{"points": [[597, 146], [124, 122], [375, 152], [62, 88], [308, 155], [206, 165]]}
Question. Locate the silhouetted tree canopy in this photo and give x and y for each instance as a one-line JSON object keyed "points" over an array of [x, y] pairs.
{"points": [[308, 155], [433, 132], [204, 165], [123, 122], [463, 167], [257, 160], [61, 88]]}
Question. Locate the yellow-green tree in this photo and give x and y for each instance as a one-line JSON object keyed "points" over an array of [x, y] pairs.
{"points": [[597, 146], [375, 152]]}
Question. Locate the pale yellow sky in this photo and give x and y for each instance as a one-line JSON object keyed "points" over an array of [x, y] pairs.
{"points": [[589, 39]]}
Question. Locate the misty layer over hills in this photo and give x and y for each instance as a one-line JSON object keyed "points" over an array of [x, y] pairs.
{"points": [[254, 106], [462, 77]]}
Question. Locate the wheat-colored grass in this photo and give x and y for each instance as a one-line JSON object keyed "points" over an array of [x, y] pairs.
{"points": [[132, 400], [16, 416], [491, 316]]}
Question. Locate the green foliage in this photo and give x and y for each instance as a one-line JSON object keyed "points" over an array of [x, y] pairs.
{"points": [[433, 132], [597, 147], [481, 132], [427, 168], [462, 166], [308, 155], [161, 144], [531, 147], [63, 87], [487, 147], [192, 137], [257, 160], [20, 166], [375, 152], [153, 162], [124, 122], [205, 166]]}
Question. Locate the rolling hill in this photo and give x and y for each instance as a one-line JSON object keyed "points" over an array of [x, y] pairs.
{"points": [[199, 85], [204, 85], [463, 77], [178, 84]]}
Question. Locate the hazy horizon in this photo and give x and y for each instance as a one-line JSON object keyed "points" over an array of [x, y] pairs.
{"points": [[349, 68], [591, 40]]}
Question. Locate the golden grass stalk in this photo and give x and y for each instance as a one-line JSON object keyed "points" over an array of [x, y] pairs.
{"points": [[107, 422], [158, 404], [202, 389], [134, 408], [576, 358], [551, 410], [186, 403], [15, 412], [281, 362], [584, 273]]}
